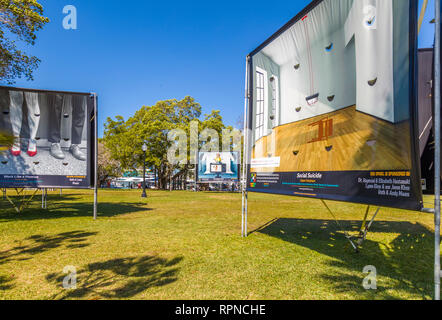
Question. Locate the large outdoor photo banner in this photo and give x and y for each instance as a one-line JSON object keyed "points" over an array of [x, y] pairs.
{"points": [[53, 139], [332, 110], [218, 167]]}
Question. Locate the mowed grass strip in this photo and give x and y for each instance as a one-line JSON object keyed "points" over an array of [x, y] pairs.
{"points": [[187, 245]]}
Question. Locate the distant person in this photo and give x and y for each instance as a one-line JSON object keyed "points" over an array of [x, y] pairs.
{"points": [[16, 115], [78, 103]]}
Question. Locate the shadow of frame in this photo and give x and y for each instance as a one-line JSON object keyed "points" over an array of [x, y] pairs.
{"points": [[69, 205], [404, 264]]}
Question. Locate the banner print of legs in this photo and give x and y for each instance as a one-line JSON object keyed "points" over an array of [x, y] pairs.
{"points": [[51, 133]]}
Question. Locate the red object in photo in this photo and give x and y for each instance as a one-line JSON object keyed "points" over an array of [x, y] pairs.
{"points": [[15, 153], [32, 153], [325, 130]]}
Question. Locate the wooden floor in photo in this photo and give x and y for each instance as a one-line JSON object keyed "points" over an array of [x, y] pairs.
{"points": [[344, 140]]}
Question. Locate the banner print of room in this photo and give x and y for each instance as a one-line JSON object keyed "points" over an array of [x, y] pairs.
{"points": [[331, 93]]}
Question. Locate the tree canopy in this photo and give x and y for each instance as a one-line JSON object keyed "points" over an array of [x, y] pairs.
{"points": [[19, 22], [151, 125]]}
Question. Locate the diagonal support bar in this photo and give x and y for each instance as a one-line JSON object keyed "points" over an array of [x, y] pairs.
{"points": [[366, 227], [347, 236], [24, 202]]}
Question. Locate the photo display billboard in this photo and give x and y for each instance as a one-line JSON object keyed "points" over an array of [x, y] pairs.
{"points": [[218, 167], [332, 110], [53, 138]]}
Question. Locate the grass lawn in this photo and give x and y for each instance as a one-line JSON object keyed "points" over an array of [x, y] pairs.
{"points": [[185, 245]]}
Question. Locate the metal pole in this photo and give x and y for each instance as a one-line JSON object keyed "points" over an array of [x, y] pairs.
{"points": [[144, 176], [242, 211], [96, 156], [44, 196], [197, 161], [246, 199], [437, 157], [245, 152]]}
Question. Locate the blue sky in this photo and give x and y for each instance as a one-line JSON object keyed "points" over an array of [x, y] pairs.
{"points": [[137, 52]]}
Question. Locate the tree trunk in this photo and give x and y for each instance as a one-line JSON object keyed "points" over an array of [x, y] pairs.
{"points": [[170, 181]]}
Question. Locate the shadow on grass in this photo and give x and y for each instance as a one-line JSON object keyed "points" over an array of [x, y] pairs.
{"points": [[6, 283], [119, 278], [69, 205], [405, 264], [41, 243]]}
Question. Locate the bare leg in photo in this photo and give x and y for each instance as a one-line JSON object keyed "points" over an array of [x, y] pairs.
{"points": [[16, 115], [33, 121], [78, 119], [55, 104]]}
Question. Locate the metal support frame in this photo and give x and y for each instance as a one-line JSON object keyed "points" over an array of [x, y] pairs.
{"points": [[24, 202], [95, 155], [347, 236], [437, 174], [366, 227], [355, 241], [144, 195], [437, 156], [44, 198], [197, 160], [244, 192], [437, 152]]}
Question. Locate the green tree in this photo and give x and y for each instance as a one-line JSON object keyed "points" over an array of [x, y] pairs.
{"points": [[151, 125], [19, 21]]}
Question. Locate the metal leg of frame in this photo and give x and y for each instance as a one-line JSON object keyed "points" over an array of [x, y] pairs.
{"points": [[245, 152], [246, 207], [24, 202], [16, 208], [366, 227], [96, 156], [242, 211], [44, 198], [347, 236], [437, 157]]}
